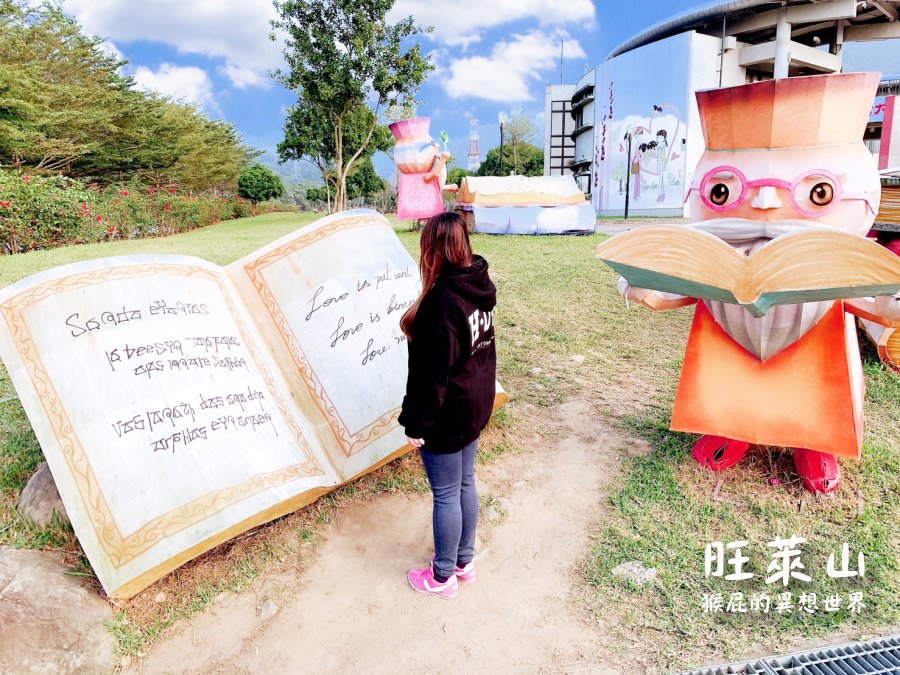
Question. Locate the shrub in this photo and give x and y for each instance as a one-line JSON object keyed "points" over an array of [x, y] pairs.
{"points": [[259, 184], [45, 212], [40, 212]]}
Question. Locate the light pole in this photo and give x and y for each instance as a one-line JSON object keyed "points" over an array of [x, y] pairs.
{"points": [[501, 147], [628, 135]]}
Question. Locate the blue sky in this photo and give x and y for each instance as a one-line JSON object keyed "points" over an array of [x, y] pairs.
{"points": [[489, 55]]}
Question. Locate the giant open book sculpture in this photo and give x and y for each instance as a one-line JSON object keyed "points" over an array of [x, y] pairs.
{"points": [[525, 205], [179, 404]]}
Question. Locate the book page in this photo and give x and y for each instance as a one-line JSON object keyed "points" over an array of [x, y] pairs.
{"points": [[808, 264], [164, 420], [329, 298]]}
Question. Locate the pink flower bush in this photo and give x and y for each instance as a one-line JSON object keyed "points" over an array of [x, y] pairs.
{"points": [[52, 211]]}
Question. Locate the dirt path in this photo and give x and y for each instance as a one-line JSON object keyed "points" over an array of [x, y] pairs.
{"points": [[353, 611]]}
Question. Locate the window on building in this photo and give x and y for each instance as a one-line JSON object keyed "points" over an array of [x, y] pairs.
{"points": [[562, 147], [579, 118], [584, 183]]}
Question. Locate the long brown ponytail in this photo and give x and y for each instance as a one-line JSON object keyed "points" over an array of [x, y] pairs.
{"points": [[444, 240]]}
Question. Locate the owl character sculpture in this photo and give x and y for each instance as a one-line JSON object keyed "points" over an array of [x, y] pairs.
{"points": [[421, 170], [778, 264]]}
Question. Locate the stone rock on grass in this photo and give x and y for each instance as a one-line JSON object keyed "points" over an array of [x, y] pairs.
{"points": [[51, 622], [40, 498], [635, 572], [268, 610]]}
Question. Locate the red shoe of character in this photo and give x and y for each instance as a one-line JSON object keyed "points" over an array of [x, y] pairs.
{"points": [[719, 453], [818, 470]]}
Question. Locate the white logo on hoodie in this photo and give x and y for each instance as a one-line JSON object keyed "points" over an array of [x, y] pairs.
{"points": [[480, 323]]}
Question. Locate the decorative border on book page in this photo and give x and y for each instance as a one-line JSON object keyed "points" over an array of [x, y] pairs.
{"points": [[122, 548], [351, 441]]}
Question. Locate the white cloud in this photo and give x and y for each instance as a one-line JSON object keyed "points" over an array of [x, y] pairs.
{"points": [[438, 57], [186, 83], [112, 50], [463, 23], [237, 32], [242, 77], [512, 67], [234, 30]]}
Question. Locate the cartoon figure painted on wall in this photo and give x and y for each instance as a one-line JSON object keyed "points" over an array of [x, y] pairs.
{"points": [[652, 151], [636, 169], [421, 170], [662, 157], [786, 175], [664, 124]]}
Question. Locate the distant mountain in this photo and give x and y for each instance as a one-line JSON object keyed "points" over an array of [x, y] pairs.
{"points": [[292, 172], [305, 172]]}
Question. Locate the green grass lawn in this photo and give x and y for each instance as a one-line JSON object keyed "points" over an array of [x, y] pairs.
{"points": [[221, 244], [557, 302], [564, 333]]}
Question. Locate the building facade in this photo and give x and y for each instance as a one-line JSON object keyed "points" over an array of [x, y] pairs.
{"points": [[645, 137], [559, 148], [883, 131], [583, 106]]}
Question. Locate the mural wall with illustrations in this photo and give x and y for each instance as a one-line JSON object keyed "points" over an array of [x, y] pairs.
{"points": [[650, 104]]}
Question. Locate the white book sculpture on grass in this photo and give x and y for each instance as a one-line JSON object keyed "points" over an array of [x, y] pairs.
{"points": [[179, 404]]}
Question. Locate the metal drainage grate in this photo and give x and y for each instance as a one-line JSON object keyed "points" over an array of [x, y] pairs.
{"points": [[878, 657]]}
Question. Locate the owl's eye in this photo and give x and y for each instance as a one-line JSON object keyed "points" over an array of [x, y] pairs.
{"points": [[822, 194], [719, 194]]}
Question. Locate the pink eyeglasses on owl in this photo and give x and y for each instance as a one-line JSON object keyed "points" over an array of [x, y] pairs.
{"points": [[812, 194]]}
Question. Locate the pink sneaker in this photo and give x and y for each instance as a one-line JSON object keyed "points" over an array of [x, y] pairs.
{"points": [[423, 581], [466, 575]]}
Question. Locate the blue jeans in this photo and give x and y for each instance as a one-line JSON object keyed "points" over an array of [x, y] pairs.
{"points": [[455, 514]]}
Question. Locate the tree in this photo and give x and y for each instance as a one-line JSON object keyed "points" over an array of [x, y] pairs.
{"points": [[259, 183], [517, 131], [364, 181], [528, 162], [66, 108], [340, 56], [316, 194], [309, 136], [214, 156], [66, 89], [455, 174]]}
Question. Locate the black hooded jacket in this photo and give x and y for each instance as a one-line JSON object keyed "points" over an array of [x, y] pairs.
{"points": [[452, 360]]}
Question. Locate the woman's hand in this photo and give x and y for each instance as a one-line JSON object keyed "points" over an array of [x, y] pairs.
{"points": [[415, 442], [652, 299]]}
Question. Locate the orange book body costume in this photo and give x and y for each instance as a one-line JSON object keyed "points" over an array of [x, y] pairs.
{"points": [[808, 395]]}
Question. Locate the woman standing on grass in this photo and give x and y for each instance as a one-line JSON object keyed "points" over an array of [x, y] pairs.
{"points": [[449, 392]]}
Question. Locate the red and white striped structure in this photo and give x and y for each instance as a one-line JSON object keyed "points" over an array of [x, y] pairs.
{"points": [[474, 154]]}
